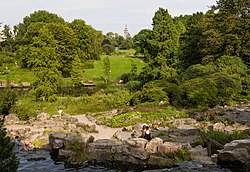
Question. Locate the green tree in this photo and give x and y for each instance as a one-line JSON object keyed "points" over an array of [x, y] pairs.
{"points": [[162, 48], [126, 44], [67, 50], [106, 69], [45, 64], [190, 39], [83, 33], [8, 160], [226, 31], [38, 16], [140, 41]]}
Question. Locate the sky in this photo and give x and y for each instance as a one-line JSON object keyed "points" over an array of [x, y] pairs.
{"points": [[104, 15]]}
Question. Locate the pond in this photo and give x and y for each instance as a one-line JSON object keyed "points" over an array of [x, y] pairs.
{"points": [[40, 161]]}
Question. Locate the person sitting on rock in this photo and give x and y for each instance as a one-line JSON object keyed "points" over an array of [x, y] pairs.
{"points": [[143, 131], [28, 146], [17, 144], [147, 135]]}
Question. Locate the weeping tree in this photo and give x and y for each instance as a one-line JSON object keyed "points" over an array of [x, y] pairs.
{"points": [[8, 160]]}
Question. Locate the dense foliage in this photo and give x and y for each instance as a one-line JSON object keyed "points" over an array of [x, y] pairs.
{"points": [[197, 61], [8, 160]]}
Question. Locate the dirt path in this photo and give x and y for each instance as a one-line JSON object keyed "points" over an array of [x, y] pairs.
{"points": [[104, 131]]}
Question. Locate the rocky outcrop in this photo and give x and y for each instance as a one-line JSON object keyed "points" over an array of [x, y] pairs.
{"points": [[235, 154], [131, 151]]}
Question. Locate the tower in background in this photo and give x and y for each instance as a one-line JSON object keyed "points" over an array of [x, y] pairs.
{"points": [[126, 33]]}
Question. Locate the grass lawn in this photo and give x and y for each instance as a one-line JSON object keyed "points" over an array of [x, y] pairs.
{"points": [[18, 75], [118, 65]]}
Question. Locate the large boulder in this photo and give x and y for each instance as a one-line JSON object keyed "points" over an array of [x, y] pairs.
{"points": [[136, 142], [235, 154], [152, 145], [168, 147], [56, 140], [122, 135], [11, 119], [100, 150]]}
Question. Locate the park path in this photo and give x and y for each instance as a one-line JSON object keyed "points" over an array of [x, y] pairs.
{"points": [[104, 131]]}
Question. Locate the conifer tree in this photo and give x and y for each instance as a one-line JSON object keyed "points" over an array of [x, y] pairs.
{"points": [[8, 160], [162, 48]]}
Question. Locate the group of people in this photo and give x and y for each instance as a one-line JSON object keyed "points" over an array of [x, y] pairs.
{"points": [[18, 146], [146, 132]]}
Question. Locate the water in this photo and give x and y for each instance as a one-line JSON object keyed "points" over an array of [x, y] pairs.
{"points": [[40, 161], [29, 164]]}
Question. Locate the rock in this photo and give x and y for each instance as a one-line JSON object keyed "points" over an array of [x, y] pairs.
{"points": [[11, 119], [137, 129], [237, 144], [87, 128], [100, 150], [159, 161], [152, 145], [71, 139], [122, 135], [235, 154], [72, 127], [168, 147], [199, 153], [56, 140], [136, 142], [43, 117], [219, 127]]}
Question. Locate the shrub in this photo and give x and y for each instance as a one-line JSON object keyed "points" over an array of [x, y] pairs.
{"points": [[197, 93], [133, 86], [196, 71], [151, 92], [228, 87]]}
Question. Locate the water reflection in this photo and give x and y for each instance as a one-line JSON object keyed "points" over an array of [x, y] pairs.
{"points": [[34, 161]]}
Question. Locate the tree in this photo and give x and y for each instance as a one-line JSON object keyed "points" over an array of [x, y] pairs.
{"points": [[8, 160], [106, 68], [162, 48], [107, 47], [38, 16], [140, 41], [189, 42], [83, 33], [126, 44], [226, 31], [8, 39], [43, 59], [67, 50]]}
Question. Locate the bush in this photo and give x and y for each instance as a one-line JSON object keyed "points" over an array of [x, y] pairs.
{"points": [[228, 87], [149, 95], [196, 71], [133, 86], [151, 92], [198, 93]]}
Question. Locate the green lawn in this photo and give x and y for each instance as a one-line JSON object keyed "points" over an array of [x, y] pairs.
{"points": [[18, 75], [118, 65]]}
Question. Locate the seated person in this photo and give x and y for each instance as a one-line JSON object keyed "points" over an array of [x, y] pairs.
{"points": [[17, 144], [147, 135]]}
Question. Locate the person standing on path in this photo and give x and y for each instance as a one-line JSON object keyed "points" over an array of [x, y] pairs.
{"points": [[60, 111]]}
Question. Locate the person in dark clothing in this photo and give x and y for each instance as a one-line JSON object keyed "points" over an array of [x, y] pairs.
{"points": [[147, 135]]}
